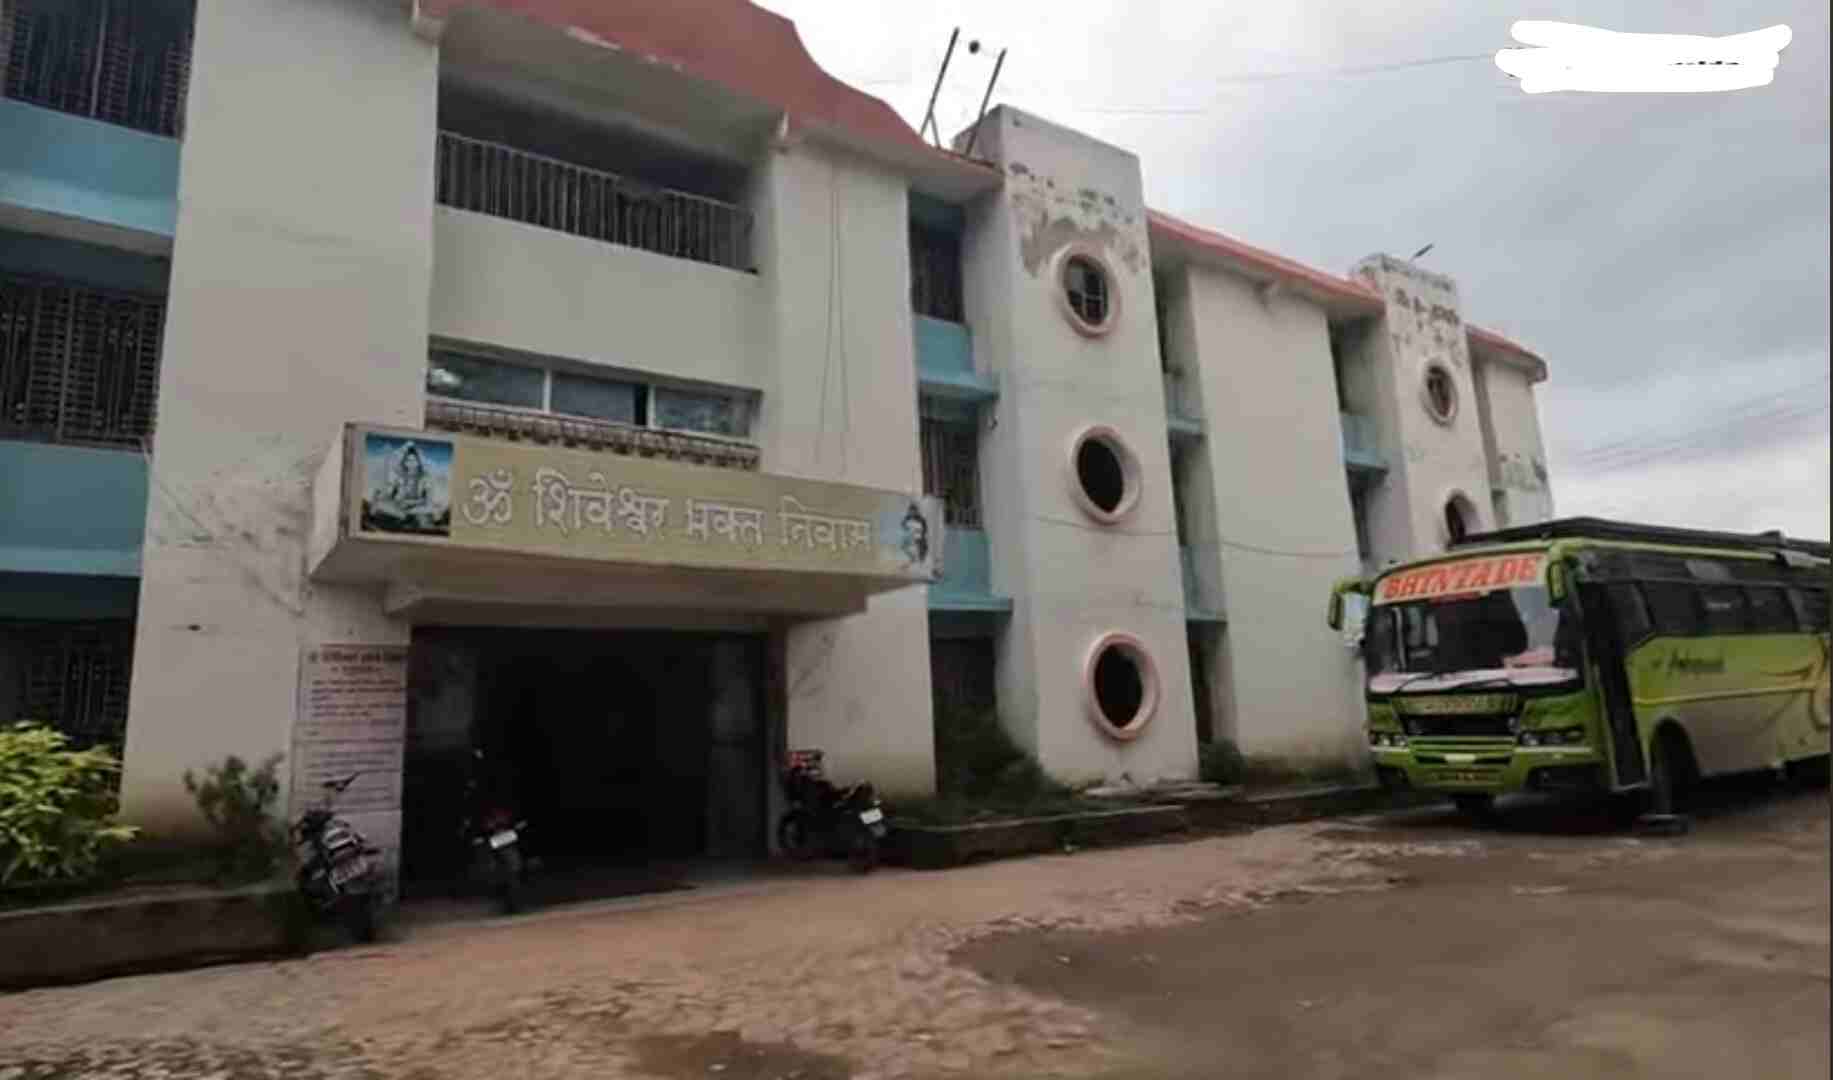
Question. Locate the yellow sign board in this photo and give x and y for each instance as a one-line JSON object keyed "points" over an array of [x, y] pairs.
{"points": [[482, 494]]}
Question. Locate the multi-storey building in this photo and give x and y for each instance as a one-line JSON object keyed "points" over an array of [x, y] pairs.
{"points": [[606, 386]]}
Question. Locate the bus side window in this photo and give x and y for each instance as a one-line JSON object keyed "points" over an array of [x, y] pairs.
{"points": [[1724, 606], [1632, 615], [1810, 608], [1673, 607], [1770, 612]]}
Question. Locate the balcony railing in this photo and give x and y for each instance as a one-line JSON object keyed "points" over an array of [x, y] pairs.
{"points": [[489, 178], [77, 365], [125, 62], [629, 439]]}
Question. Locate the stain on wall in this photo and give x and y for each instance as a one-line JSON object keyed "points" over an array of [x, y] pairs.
{"points": [[1050, 219]]}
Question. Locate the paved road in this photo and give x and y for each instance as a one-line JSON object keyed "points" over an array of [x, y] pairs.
{"points": [[1406, 945]]}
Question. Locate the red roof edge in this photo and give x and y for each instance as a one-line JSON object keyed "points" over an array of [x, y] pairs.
{"points": [[730, 43], [1327, 285]]}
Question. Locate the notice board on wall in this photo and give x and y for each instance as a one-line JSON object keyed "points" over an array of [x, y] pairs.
{"points": [[352, 718]]}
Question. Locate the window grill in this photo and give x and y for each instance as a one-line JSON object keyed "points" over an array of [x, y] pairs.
{"points": [[126, 62], [77, 365], [951, 470], [489, 178], [1086, 286], [75, 677], [935, 273]]}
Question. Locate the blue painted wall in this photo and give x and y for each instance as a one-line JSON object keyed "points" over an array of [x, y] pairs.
{"points": [[1361, 445], [966, 572], [83, 264], [71, 510], [942, 347], [56, 163], [68, 597]]}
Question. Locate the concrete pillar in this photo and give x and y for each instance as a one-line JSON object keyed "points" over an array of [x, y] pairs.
{"points": [[298, 301], [1431, 460], [840, 404], [1073, 578]]}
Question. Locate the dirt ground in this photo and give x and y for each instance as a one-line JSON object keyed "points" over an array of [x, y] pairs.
{"points": [[1408, 944], [1555, 946]]}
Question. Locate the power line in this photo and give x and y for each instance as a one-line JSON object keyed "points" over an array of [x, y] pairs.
{"points": [[1635, 441], [1769, 417]]}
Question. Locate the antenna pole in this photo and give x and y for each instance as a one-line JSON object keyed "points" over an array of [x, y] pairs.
{"points": [[929, 114], [974, 136]]}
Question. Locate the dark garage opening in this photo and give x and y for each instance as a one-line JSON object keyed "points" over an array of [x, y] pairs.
{"points": [[629, 753]]}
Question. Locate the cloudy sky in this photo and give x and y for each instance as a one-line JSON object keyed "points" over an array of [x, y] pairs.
{"points": [[1667, 254]]}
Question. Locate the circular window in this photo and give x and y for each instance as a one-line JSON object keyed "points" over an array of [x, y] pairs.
{"points": [[1439, 392], [1085, 287], [1120, 682], [1105, 475]]}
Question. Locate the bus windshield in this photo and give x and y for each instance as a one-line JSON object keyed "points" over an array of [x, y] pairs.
{"points": [[1516, 636]]}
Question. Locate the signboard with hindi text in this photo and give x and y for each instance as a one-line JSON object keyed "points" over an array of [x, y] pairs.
{"points": [[457, 491]]}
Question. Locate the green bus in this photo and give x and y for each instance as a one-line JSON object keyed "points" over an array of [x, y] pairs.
{"points": [[1591, 655]]}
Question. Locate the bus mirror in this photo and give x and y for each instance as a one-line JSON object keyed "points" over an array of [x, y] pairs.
{"points": [[1556, 582], [1335, 617]]}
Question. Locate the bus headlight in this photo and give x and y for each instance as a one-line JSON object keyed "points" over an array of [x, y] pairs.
{"points": [[1528, 738]]}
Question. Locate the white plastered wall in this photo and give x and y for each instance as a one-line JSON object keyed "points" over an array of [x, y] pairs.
{"points": [[1517, 458], [1071, 579], [298, 301], [840, 404], [1281, 530], [502, 283]]}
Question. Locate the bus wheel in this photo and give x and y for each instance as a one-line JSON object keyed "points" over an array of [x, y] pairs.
{"points": [[1479, 808], [1667, 773]]}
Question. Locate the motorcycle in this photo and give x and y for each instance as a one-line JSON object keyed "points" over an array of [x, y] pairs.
{"points": [[340, 873], [822, 817], [493, 838]]}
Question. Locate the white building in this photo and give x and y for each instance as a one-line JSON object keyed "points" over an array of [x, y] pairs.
{"points": [[682, 330]]}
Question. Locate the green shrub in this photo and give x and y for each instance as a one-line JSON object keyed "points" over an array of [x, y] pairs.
{"points": [[1220, 762], [977, 760], [57, 807], [238, 802]]}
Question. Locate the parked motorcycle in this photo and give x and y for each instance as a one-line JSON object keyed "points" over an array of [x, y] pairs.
{"points": [[340, 873], [493, 837], [824, 818]]}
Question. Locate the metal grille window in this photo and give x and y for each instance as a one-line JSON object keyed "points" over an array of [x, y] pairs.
{"points": [[489, 178], [935, 273], [127, 62], [77, 364], [74, 677], [951, 470]]}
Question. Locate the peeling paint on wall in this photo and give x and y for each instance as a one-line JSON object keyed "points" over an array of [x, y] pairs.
{"points": [[1050, 220]]}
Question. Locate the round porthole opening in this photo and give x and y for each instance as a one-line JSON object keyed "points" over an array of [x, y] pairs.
{"points": [[1121, 682], [1086, 290], [1439, 393], [1106, 474]]}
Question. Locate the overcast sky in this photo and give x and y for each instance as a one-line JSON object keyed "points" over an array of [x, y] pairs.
{"points": [[1667, 254]]}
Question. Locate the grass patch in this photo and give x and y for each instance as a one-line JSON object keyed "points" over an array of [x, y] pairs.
{"points": [[982, 775]]}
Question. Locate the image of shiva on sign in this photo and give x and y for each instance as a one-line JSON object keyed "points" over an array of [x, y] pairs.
{"points": [[407, 485]]}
